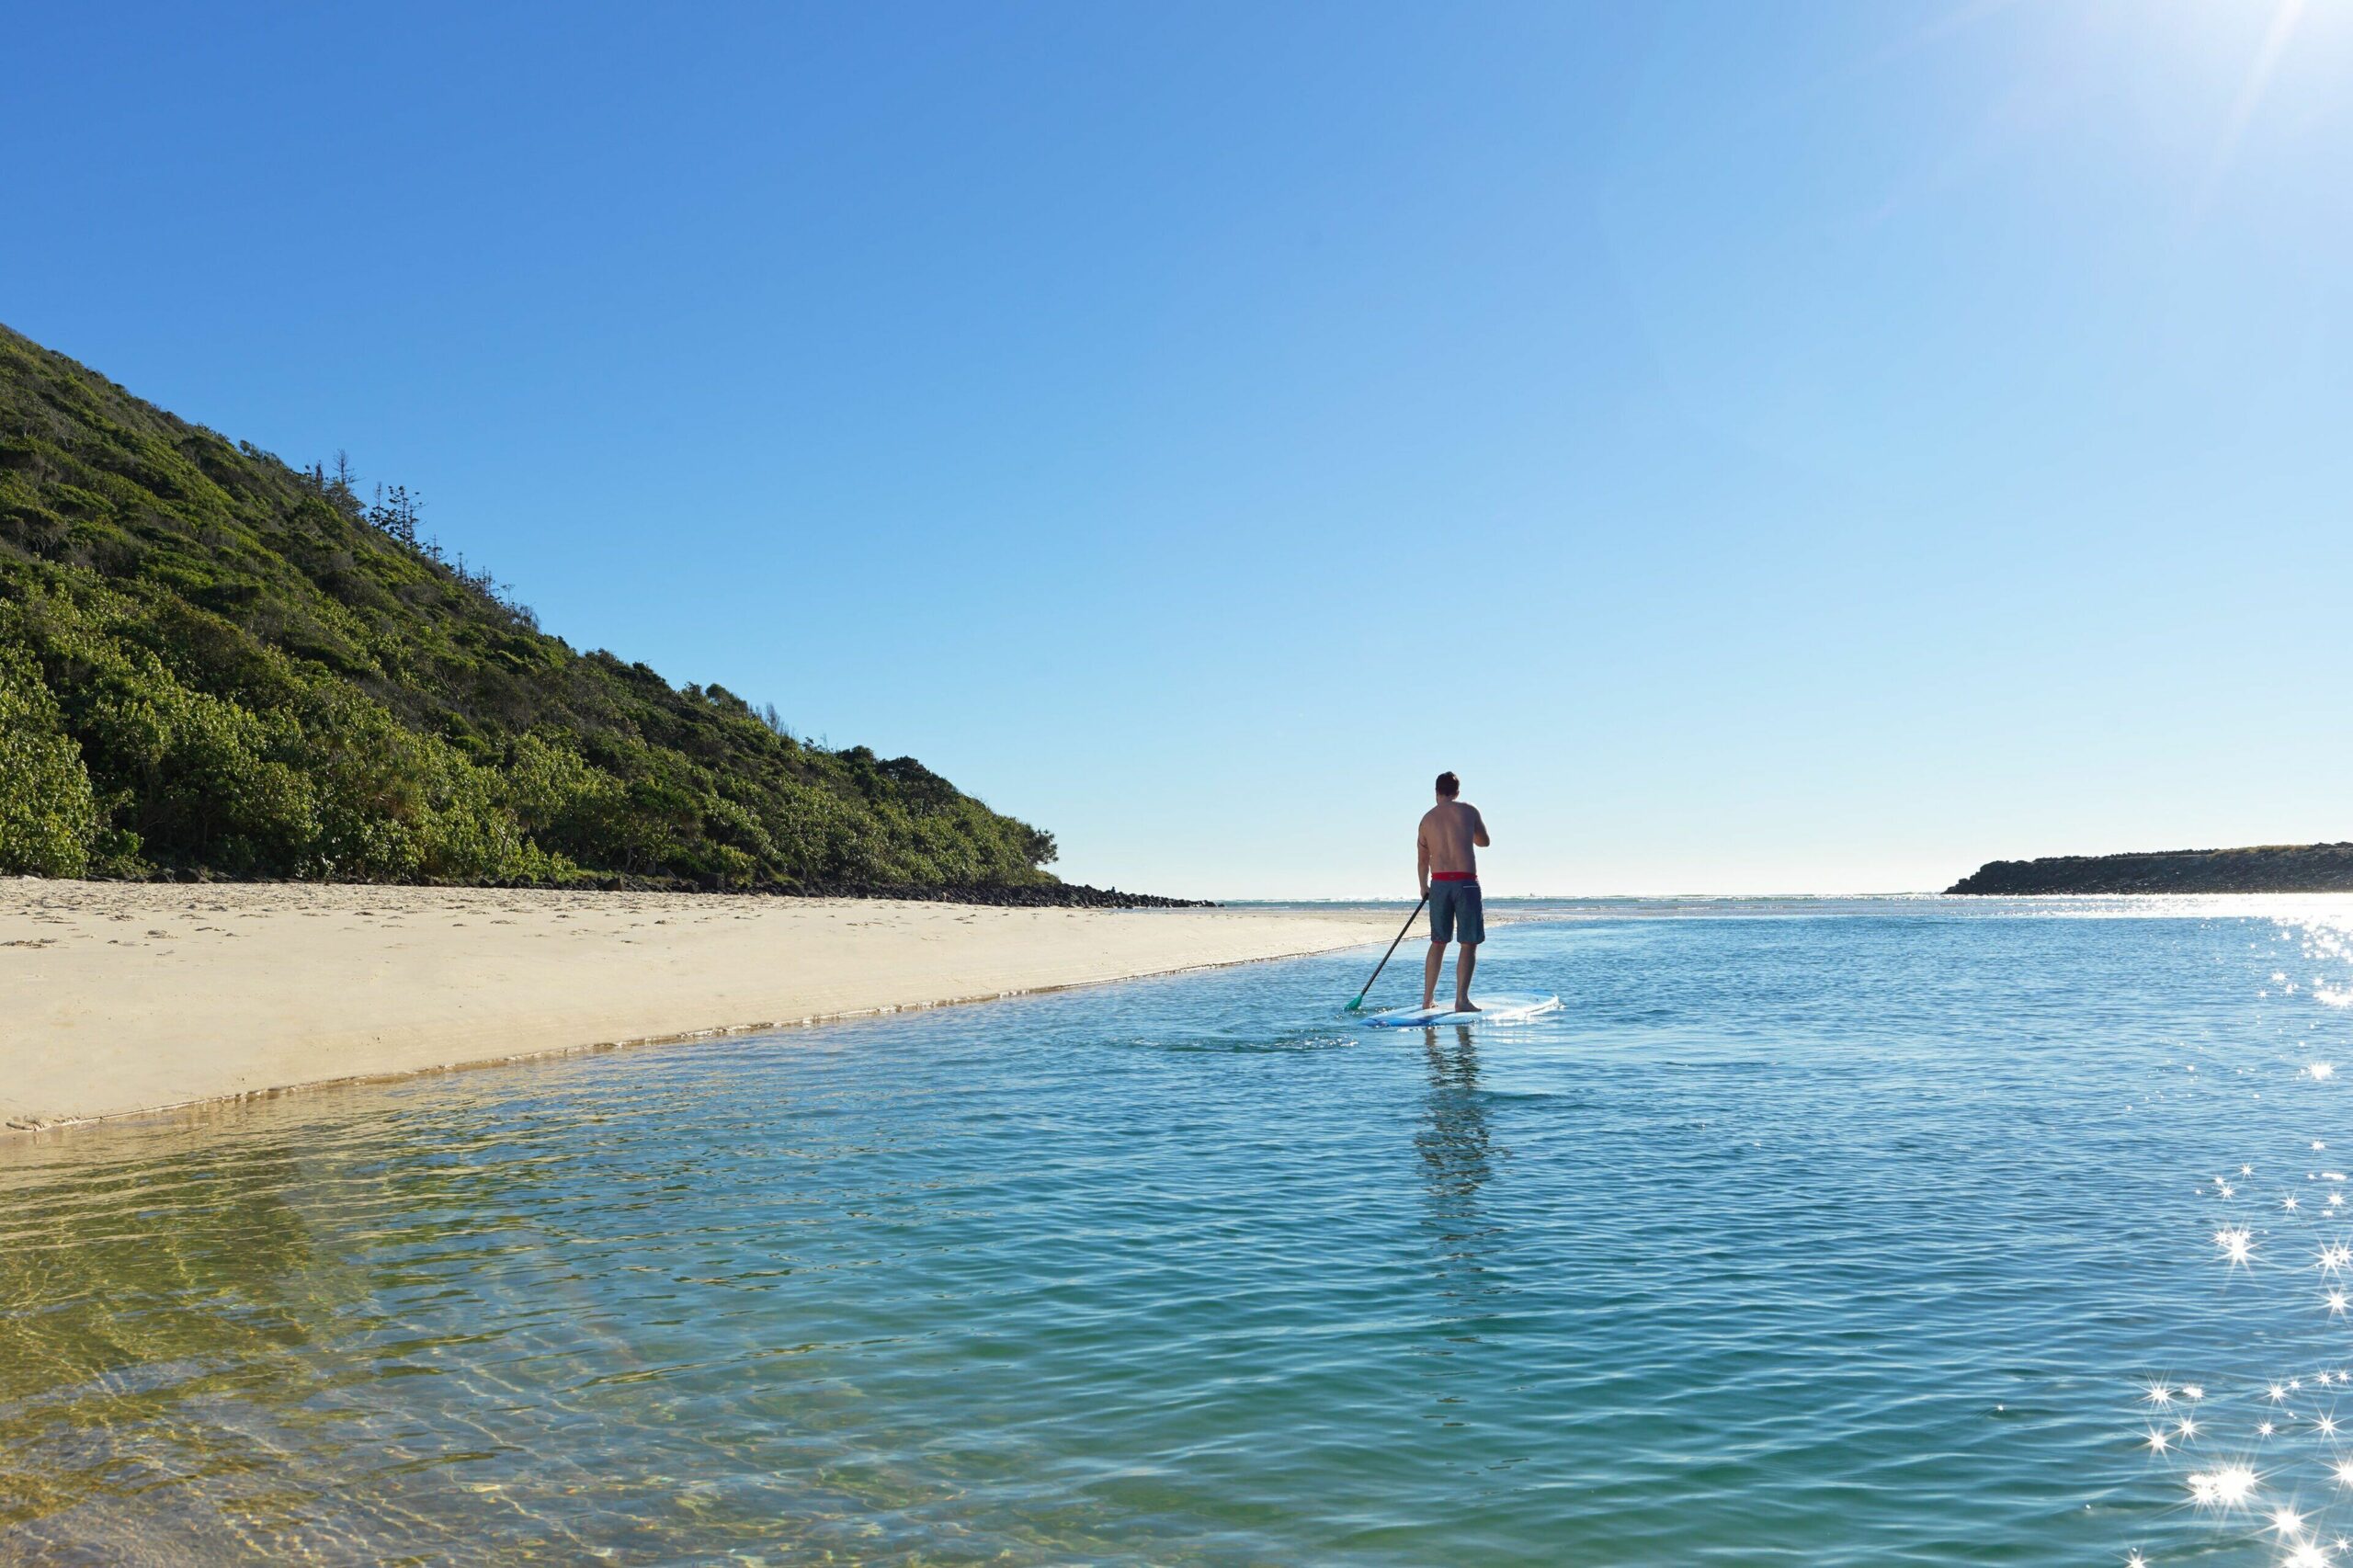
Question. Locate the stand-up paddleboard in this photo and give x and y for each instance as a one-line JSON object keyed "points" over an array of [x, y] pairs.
{"points": [[1507, 1009]]}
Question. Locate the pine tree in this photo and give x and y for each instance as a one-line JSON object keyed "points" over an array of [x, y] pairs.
{"points": [[395, 512]]}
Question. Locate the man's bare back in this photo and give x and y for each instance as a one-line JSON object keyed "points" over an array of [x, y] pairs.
{"points": [[1446, 852], [1450, 830]]}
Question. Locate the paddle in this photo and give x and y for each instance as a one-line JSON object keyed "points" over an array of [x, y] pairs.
{"points": [[1358, 1005]]}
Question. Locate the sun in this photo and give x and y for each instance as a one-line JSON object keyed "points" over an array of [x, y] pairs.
{"points": [[2285, 15]]}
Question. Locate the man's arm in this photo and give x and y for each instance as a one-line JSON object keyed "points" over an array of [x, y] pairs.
{"points": [[1422, 857], [1477, 828]]}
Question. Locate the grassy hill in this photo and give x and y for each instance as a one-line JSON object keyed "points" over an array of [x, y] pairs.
{"points": [[214, 664], [2274, 868]]}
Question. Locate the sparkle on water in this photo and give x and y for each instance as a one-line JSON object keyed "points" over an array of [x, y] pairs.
{"points": [[1839, 1233]]}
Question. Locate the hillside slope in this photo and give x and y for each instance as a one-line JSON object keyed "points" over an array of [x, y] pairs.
{"points": [[214, 664], [2279, 867]]}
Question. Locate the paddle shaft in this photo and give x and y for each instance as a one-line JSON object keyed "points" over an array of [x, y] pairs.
{"points": [[1391, 952]]}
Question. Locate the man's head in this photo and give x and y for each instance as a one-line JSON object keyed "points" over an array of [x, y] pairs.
{"points": [[1449, 786]]}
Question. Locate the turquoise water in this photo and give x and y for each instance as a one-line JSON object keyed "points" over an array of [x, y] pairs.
{"points": [[1831, 1233]]}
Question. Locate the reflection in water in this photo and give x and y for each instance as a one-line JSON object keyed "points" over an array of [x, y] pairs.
{"points": [[1458, 1156]]}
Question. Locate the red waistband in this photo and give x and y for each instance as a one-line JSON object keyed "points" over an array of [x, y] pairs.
{"points": [[1454, 876]]}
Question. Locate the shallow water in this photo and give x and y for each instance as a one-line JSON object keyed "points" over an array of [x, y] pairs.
{"points": [[1836, 1233]]}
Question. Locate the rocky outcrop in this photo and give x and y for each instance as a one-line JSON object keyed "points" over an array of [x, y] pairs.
{"points": [[1020, 895], [2272, 868]]}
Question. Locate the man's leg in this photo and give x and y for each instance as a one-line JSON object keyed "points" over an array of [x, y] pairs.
{"points": [[1430, 966], [1466, 963]]}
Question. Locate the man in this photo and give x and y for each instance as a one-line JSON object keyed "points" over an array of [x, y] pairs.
{"points": [[1449, 867]]}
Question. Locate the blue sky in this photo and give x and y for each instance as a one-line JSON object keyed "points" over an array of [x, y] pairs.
{"points": [[1762, 447]]}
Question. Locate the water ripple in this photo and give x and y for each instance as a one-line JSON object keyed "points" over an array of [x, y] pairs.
{"points": [[1860, 1239]]}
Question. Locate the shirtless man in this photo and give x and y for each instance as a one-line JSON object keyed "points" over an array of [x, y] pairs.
{"points": [[1449, 868]]}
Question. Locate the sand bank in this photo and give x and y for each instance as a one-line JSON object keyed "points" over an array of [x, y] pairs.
{"points": [[122, 997]]}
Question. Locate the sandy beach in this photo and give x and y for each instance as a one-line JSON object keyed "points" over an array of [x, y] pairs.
{"points": [[117, 998]]}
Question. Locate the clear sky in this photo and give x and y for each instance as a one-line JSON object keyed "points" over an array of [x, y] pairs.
{"points": [[1762, 447]]}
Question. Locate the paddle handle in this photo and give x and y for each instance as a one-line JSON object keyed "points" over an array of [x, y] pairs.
{"points": [[1391, 952]]}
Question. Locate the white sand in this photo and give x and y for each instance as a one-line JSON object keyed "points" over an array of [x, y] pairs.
{"points": [[122, 997]]}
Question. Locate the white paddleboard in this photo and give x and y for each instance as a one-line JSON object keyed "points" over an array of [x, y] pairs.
{"points": [[1510, 1007]]}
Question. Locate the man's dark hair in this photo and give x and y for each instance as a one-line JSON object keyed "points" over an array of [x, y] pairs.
{"points": [[1448, 784]]}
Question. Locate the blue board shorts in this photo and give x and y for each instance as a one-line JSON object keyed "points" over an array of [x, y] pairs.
{"points": [[1455, 913]]}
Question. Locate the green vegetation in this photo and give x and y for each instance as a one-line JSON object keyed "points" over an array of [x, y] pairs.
{"points": [[214, 664], [2264, 868]]}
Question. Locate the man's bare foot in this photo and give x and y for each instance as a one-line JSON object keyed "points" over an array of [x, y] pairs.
{"points": [[1462, 1004]]}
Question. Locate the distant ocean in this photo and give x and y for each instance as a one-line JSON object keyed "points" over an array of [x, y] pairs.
{"points": [[1823, 1231]]}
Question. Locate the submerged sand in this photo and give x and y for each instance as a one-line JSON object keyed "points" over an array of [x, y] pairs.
{"points": [[119, 998]]}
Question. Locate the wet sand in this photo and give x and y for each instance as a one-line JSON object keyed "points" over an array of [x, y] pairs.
{"points": [[117, 998]]}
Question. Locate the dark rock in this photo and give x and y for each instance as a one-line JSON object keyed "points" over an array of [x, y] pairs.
{"points": [[1009, 895]]}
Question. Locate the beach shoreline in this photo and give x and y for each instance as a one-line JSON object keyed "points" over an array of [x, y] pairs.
{"points": [[126, 999]]}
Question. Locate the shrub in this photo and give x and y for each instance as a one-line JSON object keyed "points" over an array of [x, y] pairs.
{"points": [[48, 818]]}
